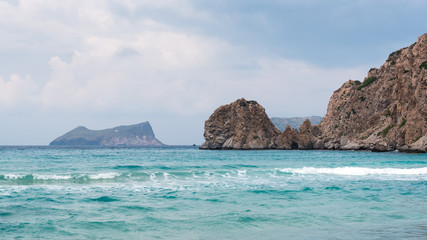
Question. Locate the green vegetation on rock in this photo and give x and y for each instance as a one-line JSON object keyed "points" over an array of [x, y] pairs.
{"points": [[402, 123], [395, 53], [364, 137], [367, 82], [385, 131]]}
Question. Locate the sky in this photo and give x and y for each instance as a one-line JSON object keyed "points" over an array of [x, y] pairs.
{"points": [[104, 63]]}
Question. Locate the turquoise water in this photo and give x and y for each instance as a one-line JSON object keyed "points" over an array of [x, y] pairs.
{"points": [[186, 193]]}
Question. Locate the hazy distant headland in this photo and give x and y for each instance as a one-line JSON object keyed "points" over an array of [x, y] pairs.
{"points": [[294, 122], [138, 135], [385, 112]]}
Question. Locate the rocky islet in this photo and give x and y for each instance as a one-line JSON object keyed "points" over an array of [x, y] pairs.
{"points": [[137, 135]]}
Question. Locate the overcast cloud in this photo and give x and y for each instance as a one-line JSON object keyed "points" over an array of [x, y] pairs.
{"points": [[103, 63]]}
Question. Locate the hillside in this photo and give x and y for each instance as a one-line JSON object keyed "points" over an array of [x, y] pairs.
{"points": [[133, 135]]}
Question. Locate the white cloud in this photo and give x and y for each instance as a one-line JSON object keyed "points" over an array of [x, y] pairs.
{"points": [[18, 92], [158, 71], [151, 82], [106, 64]]}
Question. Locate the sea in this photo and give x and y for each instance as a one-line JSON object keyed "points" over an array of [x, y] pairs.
{"points": [[187, 193]]}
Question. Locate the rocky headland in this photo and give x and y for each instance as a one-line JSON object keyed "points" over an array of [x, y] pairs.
{"points": [[138, 135], [385, 112]]}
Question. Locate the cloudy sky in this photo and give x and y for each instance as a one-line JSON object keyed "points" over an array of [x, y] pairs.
{"points": [[103, 63]]}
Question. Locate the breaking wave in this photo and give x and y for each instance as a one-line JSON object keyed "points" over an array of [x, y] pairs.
{"points": [[47, 178], [218, 175], [356, 171]]}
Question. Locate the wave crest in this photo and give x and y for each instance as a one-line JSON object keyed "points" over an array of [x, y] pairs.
{"points": [[356, 171], [220, 175]]}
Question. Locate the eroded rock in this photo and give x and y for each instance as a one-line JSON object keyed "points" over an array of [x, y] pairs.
{"points": [[385, 112], [240, 125]]}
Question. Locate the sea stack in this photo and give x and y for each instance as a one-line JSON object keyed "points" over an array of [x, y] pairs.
{"points": [[385, 112], [138, 135], [240, 125]]}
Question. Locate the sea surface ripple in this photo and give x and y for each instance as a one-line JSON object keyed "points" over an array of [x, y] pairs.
{"points": [[186, 193]]}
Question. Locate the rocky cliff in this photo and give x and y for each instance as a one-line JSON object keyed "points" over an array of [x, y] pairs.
{"points": [[128, 136], [385, 112]]}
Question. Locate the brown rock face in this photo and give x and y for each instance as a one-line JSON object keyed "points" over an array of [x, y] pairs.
{"points": [[306, 138], [240, 125], [387, 111], [245, 125]]}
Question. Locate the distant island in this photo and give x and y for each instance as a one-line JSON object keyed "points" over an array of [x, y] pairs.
{"points": [[138, 135], [385, 112], [294, 122]]}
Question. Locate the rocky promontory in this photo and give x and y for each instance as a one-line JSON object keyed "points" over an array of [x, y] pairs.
{"points": [[385, 112], [138, 135]]}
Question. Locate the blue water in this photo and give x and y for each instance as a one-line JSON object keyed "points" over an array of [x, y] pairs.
{"points": [[186, 193]]}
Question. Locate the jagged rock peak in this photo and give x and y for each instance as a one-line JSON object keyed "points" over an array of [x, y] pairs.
{"points": [[239, 125], [304, 139]]}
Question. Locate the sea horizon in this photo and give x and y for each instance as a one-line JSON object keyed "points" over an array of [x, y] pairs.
{"points": [[303, 120]]}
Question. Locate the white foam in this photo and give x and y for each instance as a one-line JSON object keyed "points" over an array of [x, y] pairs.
{"points": [[241, 173], [51, 177], [356, 171], [37, 176], [153, 176], [13, 176], [109, 175]]}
